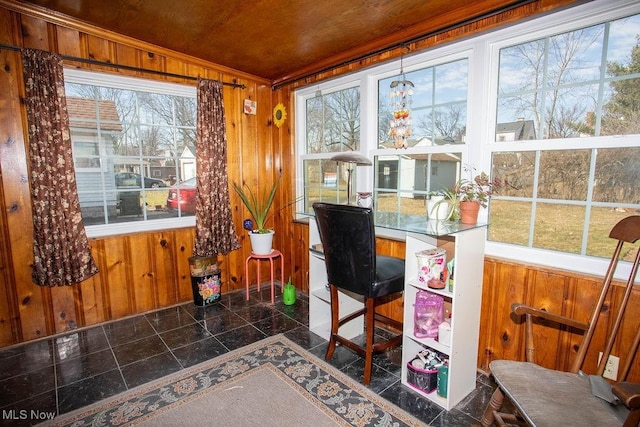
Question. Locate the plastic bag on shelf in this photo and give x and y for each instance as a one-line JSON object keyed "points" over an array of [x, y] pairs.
{"points": [[428, 314]]}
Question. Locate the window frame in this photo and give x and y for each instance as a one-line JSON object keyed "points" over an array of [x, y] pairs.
{"points": [[143, 85], [557, 23], [483, 53]]}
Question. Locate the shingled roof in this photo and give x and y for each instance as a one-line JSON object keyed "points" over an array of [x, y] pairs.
{"points": [[82, 114]]}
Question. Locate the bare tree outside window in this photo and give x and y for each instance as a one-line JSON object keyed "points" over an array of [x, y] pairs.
{"points": [[567, 197]]}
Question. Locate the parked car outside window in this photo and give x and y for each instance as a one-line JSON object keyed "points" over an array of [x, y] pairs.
{"points": [[128, 179], [182, 197]]}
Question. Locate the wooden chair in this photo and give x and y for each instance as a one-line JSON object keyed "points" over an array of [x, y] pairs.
{"points": [[348, 239], [546, 397]]}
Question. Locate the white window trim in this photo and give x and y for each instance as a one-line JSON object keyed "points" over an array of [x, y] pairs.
{"points": [[142, 85], [482, 53]]}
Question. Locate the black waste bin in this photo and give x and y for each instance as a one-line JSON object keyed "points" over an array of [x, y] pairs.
{"points": [[205, 280], [130, 203]]}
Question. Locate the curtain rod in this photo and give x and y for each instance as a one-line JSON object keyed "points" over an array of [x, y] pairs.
{"points": [[126, 67]]}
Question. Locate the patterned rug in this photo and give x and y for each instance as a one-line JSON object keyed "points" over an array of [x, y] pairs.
{"points": [[273, 382]]}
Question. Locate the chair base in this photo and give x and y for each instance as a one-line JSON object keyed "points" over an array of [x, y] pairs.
{"points": [[371, 319]]}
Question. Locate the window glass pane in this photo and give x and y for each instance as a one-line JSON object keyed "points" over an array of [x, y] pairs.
{"points": [[129, 147], [385, 201], [569, 86], [315, 125], [451, 82], [324, 182], [621, 115], [564, 174], [574, 57], [333, 122], [517, 75], [559, 227], [573, 112], [515, 172], [617, 176], [509, 221], [404, 182], [438, 105], [623, 41], [516, 118], [601, 222]]}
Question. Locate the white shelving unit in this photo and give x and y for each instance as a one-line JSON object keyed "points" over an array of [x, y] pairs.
{"points": [[466, 244], [463, 302], [319, 299]]}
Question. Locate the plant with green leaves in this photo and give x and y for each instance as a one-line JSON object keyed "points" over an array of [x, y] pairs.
{"points": [[258, 206], [450, 198]]}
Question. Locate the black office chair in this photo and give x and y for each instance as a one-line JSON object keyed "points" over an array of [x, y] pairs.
{"points": [[348, 239]]}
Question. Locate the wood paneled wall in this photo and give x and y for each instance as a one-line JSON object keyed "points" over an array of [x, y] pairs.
{"points": [[143, 271], [146, 271]]}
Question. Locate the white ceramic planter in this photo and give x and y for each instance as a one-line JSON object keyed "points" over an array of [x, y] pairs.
{"points": [[438, 209], [261, 243]]}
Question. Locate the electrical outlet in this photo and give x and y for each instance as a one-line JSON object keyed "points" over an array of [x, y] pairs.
{"points": [[611, 370]]}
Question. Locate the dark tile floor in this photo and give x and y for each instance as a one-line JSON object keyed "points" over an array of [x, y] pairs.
{"points": [[63, 373]]}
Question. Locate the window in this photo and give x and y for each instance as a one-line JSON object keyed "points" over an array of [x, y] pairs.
{"points": [[332, 126], [403, 178], [132, 141], [578, 89], [550, 106]]}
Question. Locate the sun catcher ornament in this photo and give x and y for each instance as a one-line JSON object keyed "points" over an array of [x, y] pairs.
{"points": [[401, 99]]}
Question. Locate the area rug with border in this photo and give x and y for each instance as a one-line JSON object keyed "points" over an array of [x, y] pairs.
{"points": [[273, 382]]}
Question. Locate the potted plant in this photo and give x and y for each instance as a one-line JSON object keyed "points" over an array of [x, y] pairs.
{"points": [[442, 205], [473, 195], [260, 236]]}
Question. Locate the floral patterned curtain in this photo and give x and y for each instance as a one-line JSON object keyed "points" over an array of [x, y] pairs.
{"points": [[215, 232], [61, 250]]}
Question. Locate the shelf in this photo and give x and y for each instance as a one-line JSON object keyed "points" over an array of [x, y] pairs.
{"points": [[467, 247], [466, 244], [431, 343], [444, 292]]}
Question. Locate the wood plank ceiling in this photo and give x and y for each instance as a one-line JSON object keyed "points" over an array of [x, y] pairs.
{"points": [[279, 40]]}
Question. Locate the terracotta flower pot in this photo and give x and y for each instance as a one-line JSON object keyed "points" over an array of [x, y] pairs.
{"points": [[469, 212]]}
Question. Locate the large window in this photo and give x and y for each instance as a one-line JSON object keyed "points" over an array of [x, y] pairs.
{"points": [[332, 126], [133, 146], [579, 89], [550, 107], [403, 178]]}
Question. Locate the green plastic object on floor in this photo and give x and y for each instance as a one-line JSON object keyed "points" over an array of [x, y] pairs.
{"points": [[289, 293]]}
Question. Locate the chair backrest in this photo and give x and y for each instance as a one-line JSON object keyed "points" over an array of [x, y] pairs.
{"points": [[347, 234], [626, 230]]}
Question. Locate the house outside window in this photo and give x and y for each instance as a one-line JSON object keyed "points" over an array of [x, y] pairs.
{"points": [[132, 140], [550, 107]]}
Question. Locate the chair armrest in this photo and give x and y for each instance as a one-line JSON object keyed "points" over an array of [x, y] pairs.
{"points": [[521, 309], [629, 394]]}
